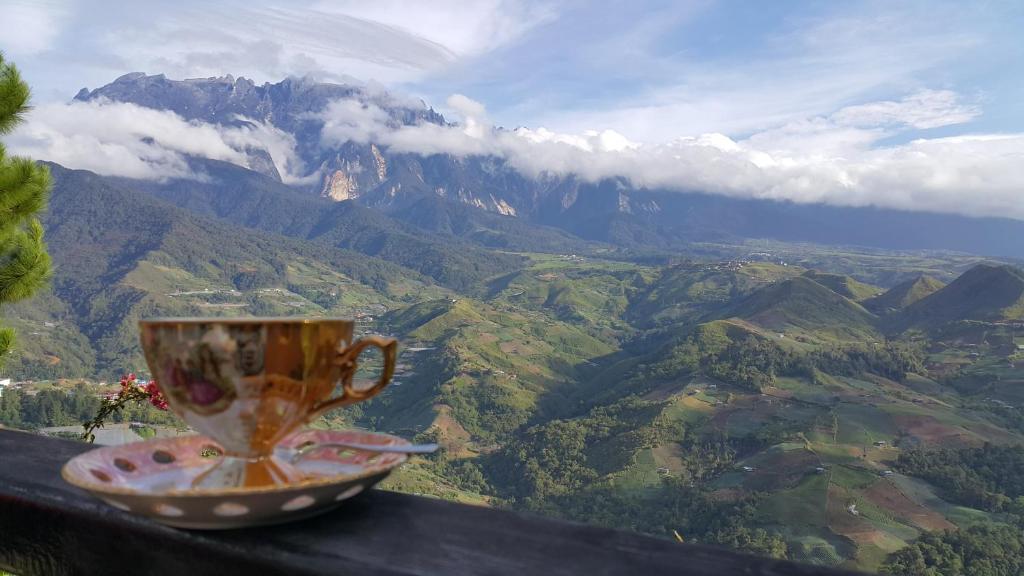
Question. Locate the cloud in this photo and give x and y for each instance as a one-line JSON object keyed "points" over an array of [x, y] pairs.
{"points": [[270, 43], [31, 27], [466, 27], [860, 126], [387, 41], [923, 109], [810, 65], [354, 120], [121, 139], [836, 159], [844, 158]]}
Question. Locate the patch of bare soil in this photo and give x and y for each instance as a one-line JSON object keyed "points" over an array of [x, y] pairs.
{"points": [[845, 523], [782, 470], [669, 456], [888, 496], [929, 430], [451, 435]]}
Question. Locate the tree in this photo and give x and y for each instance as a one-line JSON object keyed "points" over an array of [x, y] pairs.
{"points": [[978, 550], [24, 189], [10, 408]]}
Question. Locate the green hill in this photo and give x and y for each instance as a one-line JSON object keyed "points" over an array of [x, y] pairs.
{"points": [[788, 460], [903, 294], [986, 292], [476, 372], [801, 306], [589, 293], [844, 285], [690, 290], [255, 201], [121, 255], [446, 217]]}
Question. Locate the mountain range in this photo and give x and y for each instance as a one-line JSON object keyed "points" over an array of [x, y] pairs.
{"points": [[609, 211]]}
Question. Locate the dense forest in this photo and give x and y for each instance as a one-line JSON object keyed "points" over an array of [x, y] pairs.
{"points": [[980, 550], [990, 477], [754, 361], [54, 406]]}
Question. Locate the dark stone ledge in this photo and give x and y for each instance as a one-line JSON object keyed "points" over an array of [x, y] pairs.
{"points": [[50, 527]]}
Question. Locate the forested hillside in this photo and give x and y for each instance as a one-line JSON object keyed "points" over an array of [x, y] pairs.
{"points": [[784, 403]]}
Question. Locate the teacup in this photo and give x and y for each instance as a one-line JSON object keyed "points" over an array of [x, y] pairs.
{"points": [[247, 383]]}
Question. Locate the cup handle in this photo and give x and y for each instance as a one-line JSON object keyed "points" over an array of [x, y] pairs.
{"points": [[346, 362]]}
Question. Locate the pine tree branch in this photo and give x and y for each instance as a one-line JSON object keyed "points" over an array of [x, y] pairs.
{"points": [[14, 96], [25, 266], [24, 189], [6, 342]]}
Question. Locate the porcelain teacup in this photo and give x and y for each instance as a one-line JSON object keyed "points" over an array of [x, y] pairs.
{"points": [[247, 383]]}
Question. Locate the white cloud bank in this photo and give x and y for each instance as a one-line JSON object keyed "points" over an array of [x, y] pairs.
{"points": [[840, 159], [122, 139]]}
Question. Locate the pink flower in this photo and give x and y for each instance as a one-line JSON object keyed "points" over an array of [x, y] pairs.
{"points": [[156, 398]]}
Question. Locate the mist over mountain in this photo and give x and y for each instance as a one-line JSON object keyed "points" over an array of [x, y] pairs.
{"points": [[325, 140]]}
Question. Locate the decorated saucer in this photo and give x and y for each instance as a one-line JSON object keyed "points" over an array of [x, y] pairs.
{"points": [[158, 478]]}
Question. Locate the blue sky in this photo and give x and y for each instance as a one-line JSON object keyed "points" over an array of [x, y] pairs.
{"points": [[650, 70], [848, 88]]}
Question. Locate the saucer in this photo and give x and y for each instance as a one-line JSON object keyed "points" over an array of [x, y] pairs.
{"points": [[154, 478]]}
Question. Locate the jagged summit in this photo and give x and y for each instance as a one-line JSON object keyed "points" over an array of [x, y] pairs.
{"points": [[214, 98], [131, 76], [294, 105]]}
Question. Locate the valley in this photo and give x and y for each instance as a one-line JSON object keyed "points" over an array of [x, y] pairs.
{"points": [[772, 399], [766, 376]]}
